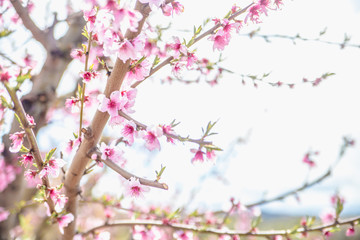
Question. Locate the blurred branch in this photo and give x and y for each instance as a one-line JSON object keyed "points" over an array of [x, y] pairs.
{"points": [[34, 148], [268, 38], [127, 175], [37, 33], [185, 227]]}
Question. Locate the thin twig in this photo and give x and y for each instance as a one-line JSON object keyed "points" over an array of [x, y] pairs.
{"points": [[128, 175], [201, 36], [180, 138], [34, 148], [186, 227]]}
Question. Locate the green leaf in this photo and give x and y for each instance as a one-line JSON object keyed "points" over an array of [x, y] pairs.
{"points": [[174, 214], [21, 78], [228, 14], [5, 33], [5, 103], [158, 174], [19, 121], [49, 155], [323, 31], [24, 149], [212, 147], [85, 33], [198, 30], [255, 222], [156, 61]]}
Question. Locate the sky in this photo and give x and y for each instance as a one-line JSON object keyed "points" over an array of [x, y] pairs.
{"points": [[277, 126]]}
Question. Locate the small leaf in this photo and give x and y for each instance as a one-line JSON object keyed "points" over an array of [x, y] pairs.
{"points": [[212, 147], [255, 222], [24, 149], [49, 155], [156, 61], [5, 103], [19, 121], [228, 14], [323, 31]]}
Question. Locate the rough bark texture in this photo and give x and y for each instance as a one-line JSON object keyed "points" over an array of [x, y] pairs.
{"points": [[41, 97]]}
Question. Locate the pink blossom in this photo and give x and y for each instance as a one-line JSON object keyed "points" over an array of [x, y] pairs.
{"points": [[87, 76], [350, 231], [27, 159], [111, 105], [30, 120], [112, 153], [116, 120], [77, 54], [52, 168], [153, 3], [109, 213], [181, 235], [139, 71], [7, 174], [151, 138], [177, 7], [166, 9], [90, 18], [126, 51], [308, 161], [210, 155], [328, 216], [128, 132], [177, 68], [30, 175], [278, 3], [28, 61], [17, 140], [143, 233], [133, 188], [190, 59], [254, 13], [129, 98], [64, 221], [221, 39], [335, 198], [72, 104], [177, 48], [167, 130], [60, 202], [198, 155], [53, 193], [3, 214], [4, 77]]}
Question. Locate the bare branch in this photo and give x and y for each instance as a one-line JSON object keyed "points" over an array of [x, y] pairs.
{"points": [[37, 33], [128, 175], [185, 227]]}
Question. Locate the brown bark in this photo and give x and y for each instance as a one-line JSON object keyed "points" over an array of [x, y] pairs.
{"points": [[94, 131]]}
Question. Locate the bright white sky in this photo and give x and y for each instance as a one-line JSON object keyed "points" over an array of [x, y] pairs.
{"points": [[280, 124]]}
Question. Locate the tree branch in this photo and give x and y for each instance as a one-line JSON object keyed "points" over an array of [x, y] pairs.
{"points": [[128, 175], [37, 33], [91, 138], [178, 137], [186, 227], [34, 148], [208, 32]]}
